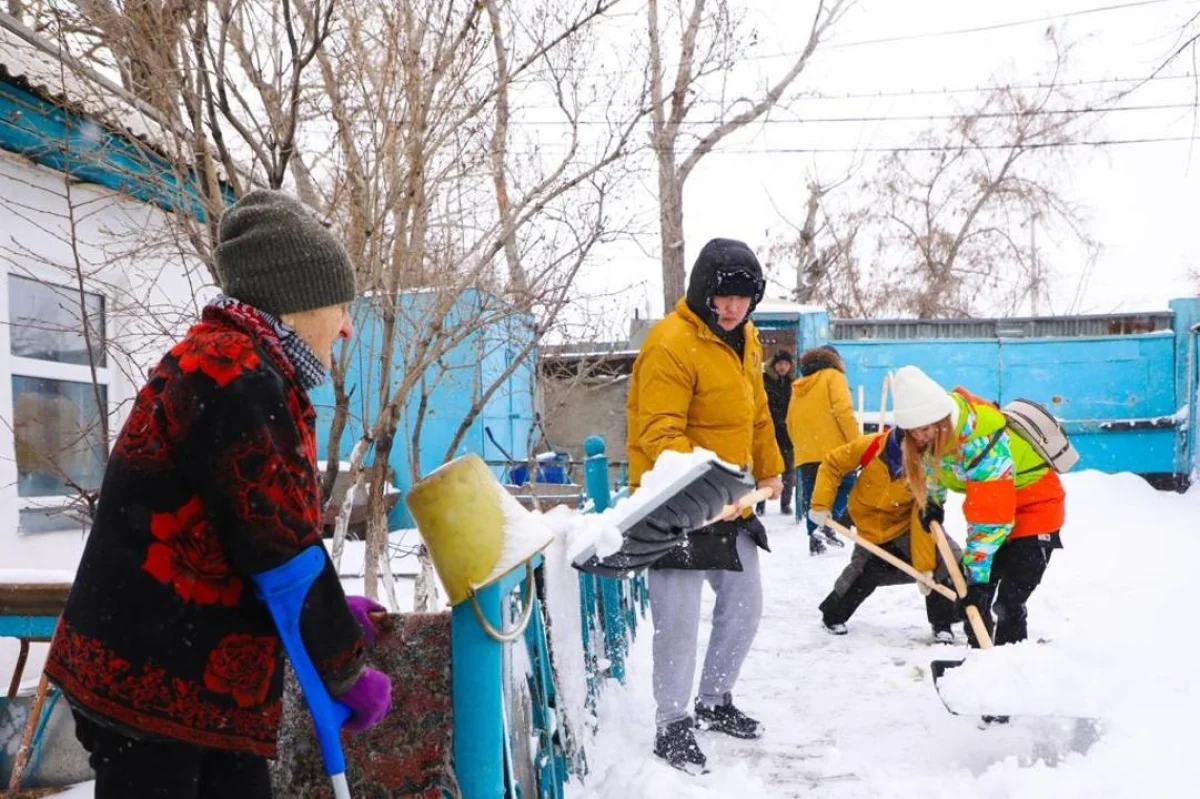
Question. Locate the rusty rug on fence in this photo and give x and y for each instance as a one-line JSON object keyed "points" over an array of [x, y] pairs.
{"points": [[409, 752]]}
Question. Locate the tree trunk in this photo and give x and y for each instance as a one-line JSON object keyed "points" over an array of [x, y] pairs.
{"points": [[809, 267], [670, 222]]}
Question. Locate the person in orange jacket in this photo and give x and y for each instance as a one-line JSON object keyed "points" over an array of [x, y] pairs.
{"points": [[1015, 503], [882, 510], [820, 418]]}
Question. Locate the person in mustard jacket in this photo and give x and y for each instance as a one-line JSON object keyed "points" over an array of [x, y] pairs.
{"points": [[820, 418], [697, 382], [882, 510], [1015, 504]]}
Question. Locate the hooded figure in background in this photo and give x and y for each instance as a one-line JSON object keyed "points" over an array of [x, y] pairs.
{"points": [[777, 379], [697, 383]]}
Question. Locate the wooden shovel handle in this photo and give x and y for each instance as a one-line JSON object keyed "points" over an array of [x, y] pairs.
{"points": [[960, 585], [879, 551], [748, 501]]}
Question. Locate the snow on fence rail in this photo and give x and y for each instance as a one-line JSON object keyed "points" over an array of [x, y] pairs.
{"points": [[530, 663]]}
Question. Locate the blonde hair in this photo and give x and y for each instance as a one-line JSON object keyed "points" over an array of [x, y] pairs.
{"points": [[944, 442]]}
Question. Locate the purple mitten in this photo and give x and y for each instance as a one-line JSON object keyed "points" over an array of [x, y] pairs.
{"points": [[361, 608], [370, 699]]}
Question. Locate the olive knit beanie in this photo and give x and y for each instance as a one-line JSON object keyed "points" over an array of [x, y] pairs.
{"points": [[274, 254]]}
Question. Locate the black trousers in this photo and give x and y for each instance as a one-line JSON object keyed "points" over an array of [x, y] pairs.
{"points": [[1017, 569], [127, 768], [788, 476], [866, 572]]}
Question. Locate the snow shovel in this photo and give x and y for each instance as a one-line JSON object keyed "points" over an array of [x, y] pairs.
{"points": [[1053, 687], [284, 589], [879, 551], [707, 492], [939, 667]]}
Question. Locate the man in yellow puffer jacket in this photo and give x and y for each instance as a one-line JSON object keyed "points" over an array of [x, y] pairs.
{"points": [[882, 510], [820, 419], [697, 382]]}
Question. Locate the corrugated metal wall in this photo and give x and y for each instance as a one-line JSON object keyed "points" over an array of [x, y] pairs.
{"points": [[1039, 327]]}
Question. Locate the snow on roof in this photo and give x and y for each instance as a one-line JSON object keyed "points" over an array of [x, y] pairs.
{"points": [[28, 58], [773, 305]]}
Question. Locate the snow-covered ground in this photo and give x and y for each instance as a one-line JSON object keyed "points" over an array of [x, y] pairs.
{"points": [[857, 716]]}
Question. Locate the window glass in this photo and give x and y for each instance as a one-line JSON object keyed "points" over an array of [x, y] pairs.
{"points": [[57, 430], [46, 323]]}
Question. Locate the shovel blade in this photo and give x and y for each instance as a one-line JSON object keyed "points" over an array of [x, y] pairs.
{"points": [[1041, 691], [938, 669], [663, 521]]}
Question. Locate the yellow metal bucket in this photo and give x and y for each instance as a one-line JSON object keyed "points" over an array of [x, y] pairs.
{"points": [[475, 531]]}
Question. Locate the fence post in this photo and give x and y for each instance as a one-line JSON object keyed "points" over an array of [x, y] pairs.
{"points": [[478, 693], [595, 476]]}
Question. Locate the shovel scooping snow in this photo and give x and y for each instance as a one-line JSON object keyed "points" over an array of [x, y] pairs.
{"points": [[1012, 680], [686, 493]]}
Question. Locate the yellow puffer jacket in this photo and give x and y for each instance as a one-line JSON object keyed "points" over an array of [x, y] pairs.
{"points": [[820, 414], [881, 505], [689, 390]]}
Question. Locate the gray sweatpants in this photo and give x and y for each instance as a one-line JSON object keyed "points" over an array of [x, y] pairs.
{"points": [[675, 608]]}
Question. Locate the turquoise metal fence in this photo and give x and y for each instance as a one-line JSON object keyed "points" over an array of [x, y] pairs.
{"points": [[489, 738]]}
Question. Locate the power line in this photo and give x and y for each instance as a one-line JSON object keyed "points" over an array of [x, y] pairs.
{"points": [[906, 118], [940, 148], [1063, 84], [963, 31]]}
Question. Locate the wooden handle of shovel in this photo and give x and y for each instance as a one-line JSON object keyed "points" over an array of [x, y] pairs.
{"points": [[960, 585], [879, 551], [748, 501]]}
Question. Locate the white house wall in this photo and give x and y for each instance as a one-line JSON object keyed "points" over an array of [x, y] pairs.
{"points": [[129, 255]]}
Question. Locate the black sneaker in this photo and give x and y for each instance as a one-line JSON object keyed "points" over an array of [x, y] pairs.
{"points": [[727, 719], [786, 510], [676, 744], [944, 635], [815, 547], [760, 508], [834, 629], [831, 538]]}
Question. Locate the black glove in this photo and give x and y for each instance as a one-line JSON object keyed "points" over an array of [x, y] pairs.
{"points": [[979, 595], [932, 512]]}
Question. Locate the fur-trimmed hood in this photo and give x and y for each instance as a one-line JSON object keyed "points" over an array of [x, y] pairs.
{"points": [[818, 358]]}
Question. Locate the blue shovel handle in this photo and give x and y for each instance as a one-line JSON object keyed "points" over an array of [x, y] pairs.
{"points": [[284, 590]]}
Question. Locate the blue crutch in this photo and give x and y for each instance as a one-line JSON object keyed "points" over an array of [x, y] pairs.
{"points": [[284, 589]]}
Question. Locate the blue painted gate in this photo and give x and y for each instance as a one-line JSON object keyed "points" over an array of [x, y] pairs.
{"points": [[1123, 385]]}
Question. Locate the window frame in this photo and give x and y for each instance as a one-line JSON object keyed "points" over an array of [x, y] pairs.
{"points": [[20, 366]]}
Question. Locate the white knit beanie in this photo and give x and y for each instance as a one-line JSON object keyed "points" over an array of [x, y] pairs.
{"points": [[918, 400]]}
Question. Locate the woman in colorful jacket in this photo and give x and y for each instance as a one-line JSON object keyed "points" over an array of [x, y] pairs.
{"points": [[883, 512], [171, 664], [820, 418], [1014, 506]]}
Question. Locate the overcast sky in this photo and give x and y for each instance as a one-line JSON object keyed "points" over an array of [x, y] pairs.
{"points": [[1141, 200]]}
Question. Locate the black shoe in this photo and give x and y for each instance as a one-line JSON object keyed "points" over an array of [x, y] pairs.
{"points": [[676, 744], [760, 508], [815, 547], [727, 719], [834, 629], [786, 510], [831, 538], [943, 635]]}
